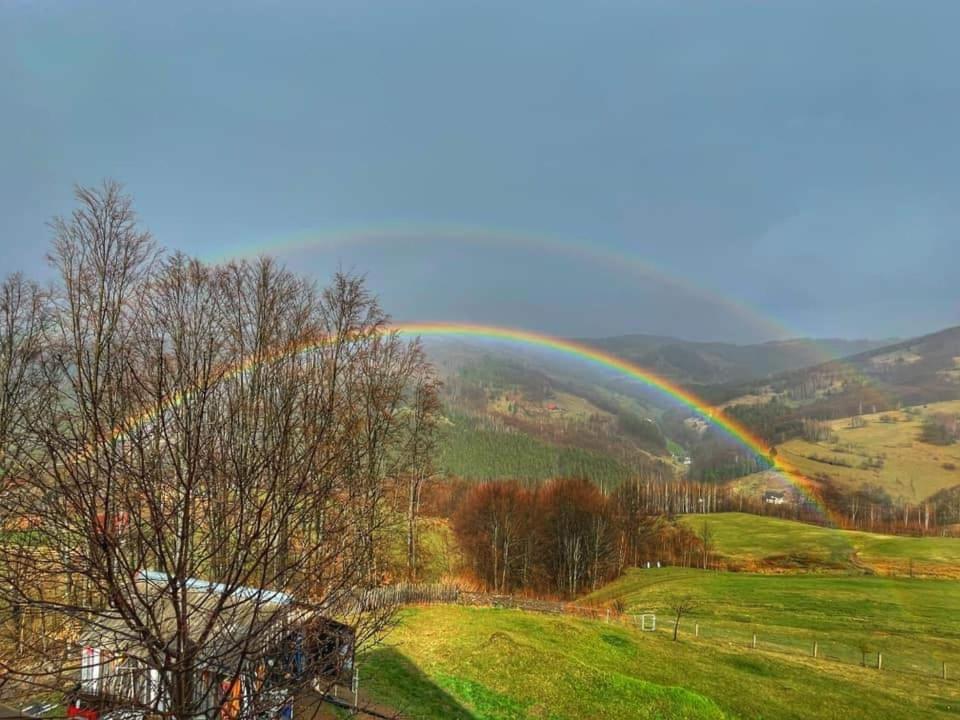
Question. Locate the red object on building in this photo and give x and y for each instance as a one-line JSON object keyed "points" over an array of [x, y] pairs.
{"points": [[79, 712]]}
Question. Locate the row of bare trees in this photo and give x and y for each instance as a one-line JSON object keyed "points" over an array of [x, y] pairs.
{"points": [[228, 422], [563, 537]]}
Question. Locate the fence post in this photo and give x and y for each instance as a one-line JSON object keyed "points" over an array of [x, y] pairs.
{"points": [[754, 641], [815, 648], [879, 661], [943, 671], [608, 616], [356, 688], [696, 629]]}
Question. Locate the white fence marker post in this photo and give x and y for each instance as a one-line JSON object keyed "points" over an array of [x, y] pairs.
{"points": [[356, 688]]}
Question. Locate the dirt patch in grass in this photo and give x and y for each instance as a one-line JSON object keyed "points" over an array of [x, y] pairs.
{"points": [[800, 561], [754, 666]]}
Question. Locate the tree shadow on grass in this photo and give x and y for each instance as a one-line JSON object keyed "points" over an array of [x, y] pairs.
{"points": [[391, 678]]}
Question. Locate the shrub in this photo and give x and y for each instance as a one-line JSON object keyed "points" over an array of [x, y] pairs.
{"points": [[940, 429]]}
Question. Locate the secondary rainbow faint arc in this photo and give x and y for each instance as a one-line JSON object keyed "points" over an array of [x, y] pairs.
{"points": [[568, 347], [481, 236]]}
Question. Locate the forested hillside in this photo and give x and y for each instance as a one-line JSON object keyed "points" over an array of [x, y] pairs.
{"points": [[511, 419], [473, 448]]}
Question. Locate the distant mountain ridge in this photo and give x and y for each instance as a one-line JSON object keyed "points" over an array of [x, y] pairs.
{"points": [[717, 363], [908, 372]]}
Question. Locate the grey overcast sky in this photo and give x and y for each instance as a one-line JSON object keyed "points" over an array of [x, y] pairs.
{"points": [[721, 170]]}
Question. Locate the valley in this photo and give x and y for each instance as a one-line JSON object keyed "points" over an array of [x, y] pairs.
{"points": [[479, 361]]}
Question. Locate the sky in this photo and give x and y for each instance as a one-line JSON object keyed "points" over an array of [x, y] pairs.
{"points": [[734, 171]]}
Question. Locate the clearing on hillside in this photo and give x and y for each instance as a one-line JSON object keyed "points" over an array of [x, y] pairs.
{"points": [[886, 451], [759, 543]]}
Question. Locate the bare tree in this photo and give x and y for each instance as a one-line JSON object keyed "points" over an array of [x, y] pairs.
{"points": [[22, 320], [706, 540], [425, 415], [680, 606], [207, 478], [22, 324]]}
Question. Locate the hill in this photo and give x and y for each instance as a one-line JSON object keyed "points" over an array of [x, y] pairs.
{"points": [[486, 664], [519, 418], [912, 372], [883, 449], [476, 448], [706, 363], [566, 416], [759, 543]]}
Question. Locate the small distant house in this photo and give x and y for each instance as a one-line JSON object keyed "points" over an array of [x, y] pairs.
{"points": [[774, 497], [262, 633], [552, 407]]}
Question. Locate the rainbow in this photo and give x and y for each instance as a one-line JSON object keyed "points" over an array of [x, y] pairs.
{"points": [[584, 352], [649, 379], [394, 234], [569, 348]]}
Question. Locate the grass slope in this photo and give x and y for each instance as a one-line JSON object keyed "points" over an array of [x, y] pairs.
{"points": [[486, 664], [757, 542], [483, 664], [911, 469], [914, 623]]}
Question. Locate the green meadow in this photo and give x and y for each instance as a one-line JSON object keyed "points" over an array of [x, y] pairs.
{"points": [[490, 664], [766, 543], [914, 624], [845, 594]]}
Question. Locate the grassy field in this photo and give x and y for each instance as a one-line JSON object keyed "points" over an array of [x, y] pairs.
{"points": [[763, 543], [487, 664], [915, 624], [911, 469]]}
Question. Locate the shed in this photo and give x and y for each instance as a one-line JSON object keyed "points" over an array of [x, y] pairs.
{"points": [[249, 642]]}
